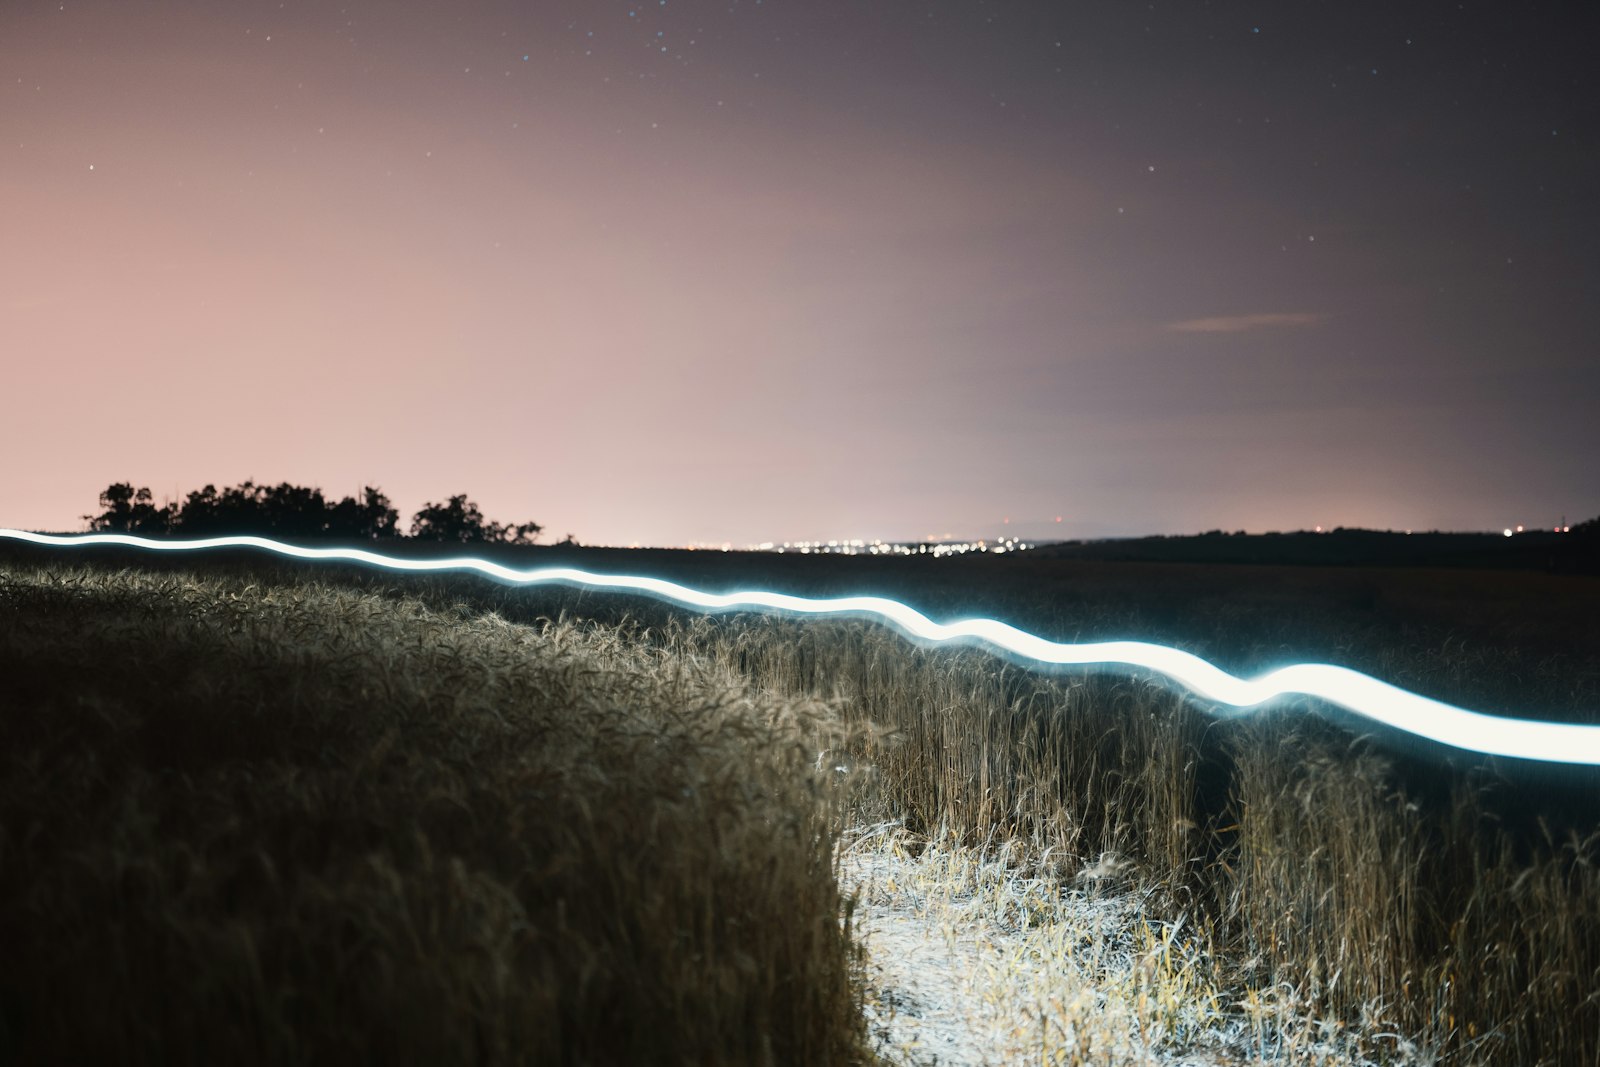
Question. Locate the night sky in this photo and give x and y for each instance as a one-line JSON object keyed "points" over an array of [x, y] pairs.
{"points": [[676, 272]]}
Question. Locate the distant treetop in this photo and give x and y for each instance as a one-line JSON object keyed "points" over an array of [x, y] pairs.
{"points": [[460, 521], [296, 513]]}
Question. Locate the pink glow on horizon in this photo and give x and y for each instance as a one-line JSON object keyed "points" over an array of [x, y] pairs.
{"points": [[740, 295]]}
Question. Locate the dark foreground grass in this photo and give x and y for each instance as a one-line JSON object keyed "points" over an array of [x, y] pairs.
{"points": [[251, 824]]}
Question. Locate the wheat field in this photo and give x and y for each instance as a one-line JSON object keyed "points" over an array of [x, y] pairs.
{"points": [[259, 813]]}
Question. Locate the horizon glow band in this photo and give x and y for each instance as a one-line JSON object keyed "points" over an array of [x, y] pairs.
{"points": [[1362, 694]]}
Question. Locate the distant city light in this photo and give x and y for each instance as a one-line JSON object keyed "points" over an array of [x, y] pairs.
{"points": [[937, 549], [1508, 531]]}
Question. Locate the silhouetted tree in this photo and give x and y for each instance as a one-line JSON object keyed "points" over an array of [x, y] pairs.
{"points": [[298, 513], [293, 511], [198, 513], [129, 510], [235, 510], [459, 521], [525, 533], [285, 510], [370, 519]]}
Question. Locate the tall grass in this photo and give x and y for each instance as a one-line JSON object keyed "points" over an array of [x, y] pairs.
{"points": [[1382, 894], [245, 823]]}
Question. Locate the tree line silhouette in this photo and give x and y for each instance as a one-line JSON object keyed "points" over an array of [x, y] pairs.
{"points": [[295, 512]]}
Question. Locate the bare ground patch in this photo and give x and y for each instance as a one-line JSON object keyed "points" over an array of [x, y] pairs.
{"points": [[976, 957]]}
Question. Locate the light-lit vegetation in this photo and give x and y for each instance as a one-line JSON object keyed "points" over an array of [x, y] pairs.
{"points": [[259, 817], [1323, 877]]}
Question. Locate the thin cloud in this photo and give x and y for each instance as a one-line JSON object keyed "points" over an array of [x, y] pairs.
{"points": [[1241, 323]]}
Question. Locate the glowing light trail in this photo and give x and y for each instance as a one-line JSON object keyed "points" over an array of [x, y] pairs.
{"points": [[1362, 694]]}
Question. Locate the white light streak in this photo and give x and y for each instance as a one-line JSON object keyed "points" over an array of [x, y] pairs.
{"points": [[1362, 694]]}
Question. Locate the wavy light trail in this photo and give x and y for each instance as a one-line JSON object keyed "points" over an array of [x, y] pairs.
{"points": [[1362, 694]]}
